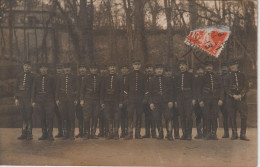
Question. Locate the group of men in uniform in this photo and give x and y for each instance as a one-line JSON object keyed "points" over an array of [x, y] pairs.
{"points": [[119, 100]]}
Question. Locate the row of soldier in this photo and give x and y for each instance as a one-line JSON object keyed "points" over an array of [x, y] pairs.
{"points": [[116, 100]]}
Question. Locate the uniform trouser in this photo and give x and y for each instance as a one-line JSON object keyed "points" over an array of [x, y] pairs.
{"points": [[225, 116], [135, 106], [233, 107], [175, 120], [149, 123], [102, 122], [46, 113], [157, 116], [112, 116], [124, 119], [25, 108], [79, 115], [211, 109], [91, 111], [67, 108], [59, 118], [184, 103], [168, 117], [200, 121]]}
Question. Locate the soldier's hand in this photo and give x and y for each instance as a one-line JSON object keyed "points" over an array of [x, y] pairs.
{"points": [[81, 102], [170, 105], [16, 102], [220, 102], [152, 106], [33, 104], [239, 97], [176, 104], [102, 106], [120, 106], [201, 104], [75, 102], [193, 102], [57, 102]]}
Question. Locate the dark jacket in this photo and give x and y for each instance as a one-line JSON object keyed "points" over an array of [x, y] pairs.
{"points": [[110, 89], [66, 87], [160, 90], [90, 88], [43, 88], [136, 85], [184, 85], [123, 79], [236, 83], [23, 86]]}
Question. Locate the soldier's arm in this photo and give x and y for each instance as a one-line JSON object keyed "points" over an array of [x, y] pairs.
{"points": [[226, 85], [221, 97], [102, 90], [245, 86], [33, 95], [57, 88], [16, 86], [151, 87]]}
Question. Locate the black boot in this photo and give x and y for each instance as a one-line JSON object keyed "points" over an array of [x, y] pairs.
{"points": [[29, 135], [66, 134], [226, 134], [130, 134], [199, 133], [214, 129], [243, 130], [116, 136], [147, 128], [72, 130], [23, 136], [44, 136], [110, 129], [234, 129], [169, 130]]}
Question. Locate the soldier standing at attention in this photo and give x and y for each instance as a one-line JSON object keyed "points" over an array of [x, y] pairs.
{"points": [[110, 97], [224, 74], [23, 90], [184, 99], [149, 124], [175, 117], [198, 79], [124, 70], [66, 99], [59, 73], [43, 101], [236, 86], [135, 89], [211, 99], [90, 100], [102, 123], [161, 101], [79, 111]]}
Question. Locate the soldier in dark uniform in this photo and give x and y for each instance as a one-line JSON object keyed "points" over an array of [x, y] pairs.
{"points": [[224, 73], [175, 117], [161, 101], [43, 101], [59, 73], [66, 99], [149, 124], [135, 88], [79, 111], [102, 123], [184, 99], [109, 99], [124, 71], [22, 97], [90, 100], [198, 79], [211, 99], [236, 86]]}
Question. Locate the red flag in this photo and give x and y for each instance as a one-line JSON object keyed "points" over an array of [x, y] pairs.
{"points": [[211, 39]]}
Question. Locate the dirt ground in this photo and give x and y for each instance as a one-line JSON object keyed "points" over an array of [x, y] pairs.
{"points": [[145, 152]]}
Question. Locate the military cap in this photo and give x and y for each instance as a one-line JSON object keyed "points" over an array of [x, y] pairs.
{"points": [[197, 67], [182, 61], [59, 66], [148, 65], [233, 61], [224, 64], [44, 65], [209, 62], [82, 65], [159, 65], [124, 66], [103, 67], [27, 62], [136, 61], [67, 65], [93, 65], [111, 63]]}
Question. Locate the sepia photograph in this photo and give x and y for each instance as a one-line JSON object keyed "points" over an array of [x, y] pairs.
{"points": [[128, 83]]}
